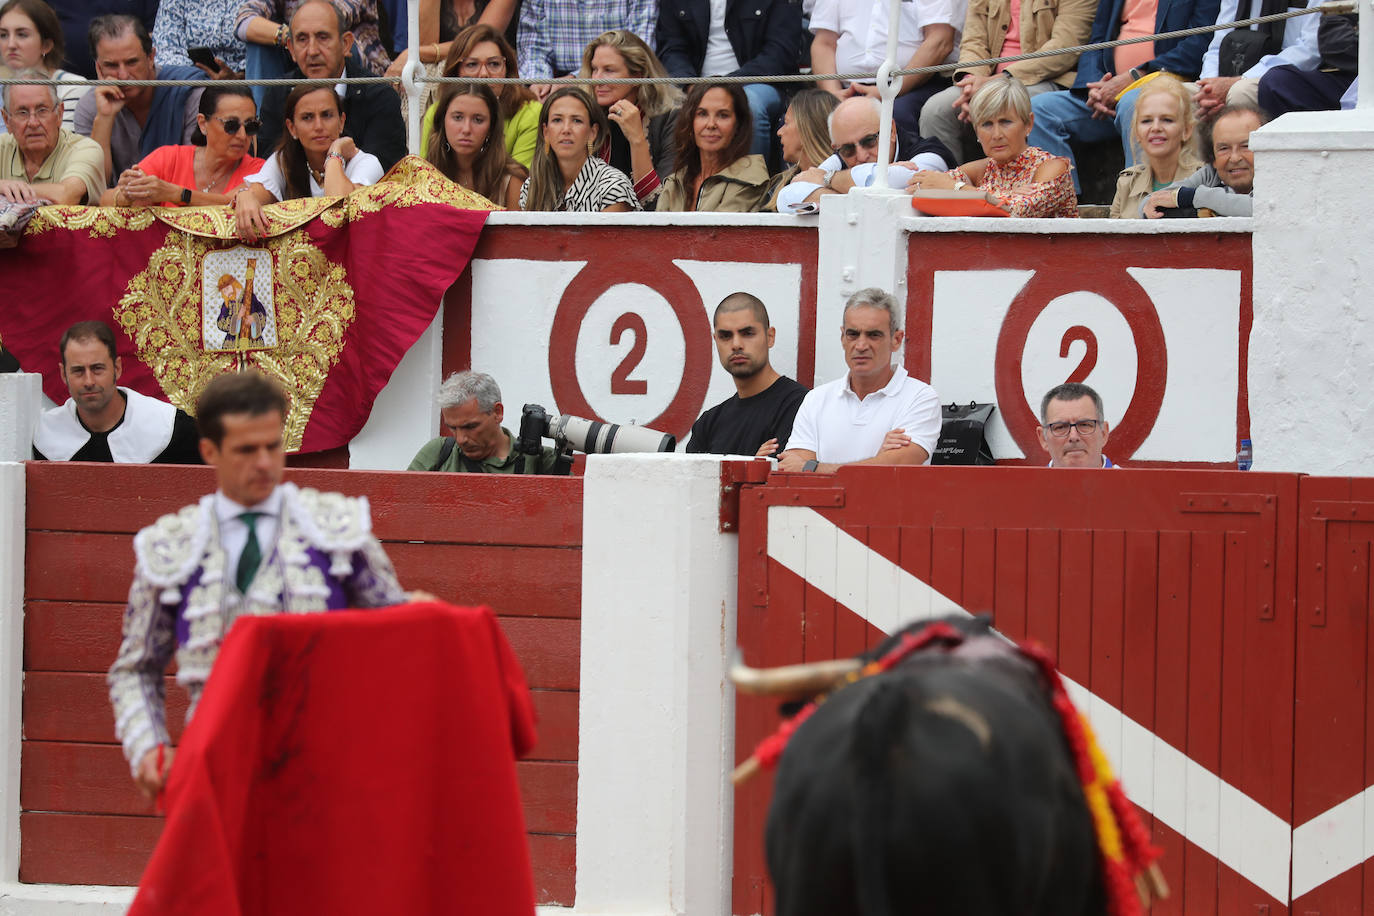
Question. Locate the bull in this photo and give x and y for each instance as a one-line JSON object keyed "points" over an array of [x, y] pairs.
{"points": [[944, 785]]}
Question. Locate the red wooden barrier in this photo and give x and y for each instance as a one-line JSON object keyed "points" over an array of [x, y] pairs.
{"points": [[513, 544], [1219, 619]]}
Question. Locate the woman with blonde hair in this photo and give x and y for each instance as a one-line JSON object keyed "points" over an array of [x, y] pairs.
{"points": [[805, 138], [479, 51], [1162, 130], [642, 119], [467, 144], [567, 174], [1021, 179]]}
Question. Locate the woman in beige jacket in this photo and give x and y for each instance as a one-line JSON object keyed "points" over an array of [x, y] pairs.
{"points": [[1162, 131], [1004, 28], [715, 171]]}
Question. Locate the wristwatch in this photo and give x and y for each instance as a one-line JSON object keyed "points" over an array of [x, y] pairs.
{"points": [[811, 465], [185, 196], [829, 177]]}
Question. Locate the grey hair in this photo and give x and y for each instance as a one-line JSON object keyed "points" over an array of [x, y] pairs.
{"points": [[461, 387], [31, 73], [877, 109], [997, 96], [1070, 391], [874, 297]]}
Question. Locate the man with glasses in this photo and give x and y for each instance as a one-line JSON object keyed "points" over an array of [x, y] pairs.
{"points": [[320, 45], [854, 137], [38, 159], [129, 122], [1073, 428]]}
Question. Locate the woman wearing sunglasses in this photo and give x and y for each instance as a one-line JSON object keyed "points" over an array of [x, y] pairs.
{"points": [[313, 159], [205, 173]]}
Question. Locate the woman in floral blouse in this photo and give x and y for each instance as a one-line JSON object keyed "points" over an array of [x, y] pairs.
{"points": [[1023, 180]]}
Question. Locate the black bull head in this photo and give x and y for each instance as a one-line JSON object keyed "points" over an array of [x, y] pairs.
{"points": [[941, 786]]}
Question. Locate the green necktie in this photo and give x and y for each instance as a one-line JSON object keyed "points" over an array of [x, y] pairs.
{"points": [[251, 557]]}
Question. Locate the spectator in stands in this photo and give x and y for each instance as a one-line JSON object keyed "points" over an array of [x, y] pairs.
{"points": [[764, 38], [804, 136], [454, 17], [1073, 428], [1006, 28], [77, 16], [1021, 179], [716, 172], [104, 422], [1289, 87], [757, 418], [31, 39], [481, 51], [314, 158], [38, 159], [203, 173], [210, 24], [851, 37], [1163, 131], [854, 133], [874, 414], [1226, 187], [643, 119], [467, 145], [554, 33], [1235, 61], [1095, 108], [268, 27], [320, 45], [470, 407], [566, 175], [129, 122]]}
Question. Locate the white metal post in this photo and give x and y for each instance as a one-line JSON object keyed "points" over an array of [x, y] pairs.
{"points": [[413, 90], [888, 86], [1365, 99]]}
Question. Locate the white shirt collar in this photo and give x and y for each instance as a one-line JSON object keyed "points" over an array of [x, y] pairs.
{"points": [[228, 510], [893, 386]]}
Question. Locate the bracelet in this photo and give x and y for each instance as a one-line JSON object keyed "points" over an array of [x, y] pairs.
{"points": [[343, 163], [436, 54], [283, 35], [234, 198]]}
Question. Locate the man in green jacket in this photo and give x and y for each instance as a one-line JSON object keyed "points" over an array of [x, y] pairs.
{"points": [[470, 407]]}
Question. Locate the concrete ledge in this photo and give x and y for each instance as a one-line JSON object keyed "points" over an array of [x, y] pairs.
{"points": [[1309, 131]]}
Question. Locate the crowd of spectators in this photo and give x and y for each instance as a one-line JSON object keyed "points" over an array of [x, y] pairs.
{"points": [[1007, 135]]}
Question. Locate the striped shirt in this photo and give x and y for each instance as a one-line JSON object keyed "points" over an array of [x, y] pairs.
{"points": [[598, 186]]}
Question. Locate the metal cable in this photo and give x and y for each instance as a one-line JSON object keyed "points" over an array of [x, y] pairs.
{"points": [[1333, 8]]}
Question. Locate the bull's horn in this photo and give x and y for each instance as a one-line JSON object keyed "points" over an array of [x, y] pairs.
{"points": [[796, 680]]}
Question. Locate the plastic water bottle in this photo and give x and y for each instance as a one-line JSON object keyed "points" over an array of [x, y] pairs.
{"points": [[1245, 456]]}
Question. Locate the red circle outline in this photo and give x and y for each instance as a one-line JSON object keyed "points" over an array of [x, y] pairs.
{"points": [[1152, 360], [670, 282]]}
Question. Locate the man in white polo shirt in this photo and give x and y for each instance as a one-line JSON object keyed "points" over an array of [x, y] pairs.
{"points": [[848, 420]]}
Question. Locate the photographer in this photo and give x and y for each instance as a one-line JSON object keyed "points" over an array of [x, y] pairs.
{"points": [[470, 406]]}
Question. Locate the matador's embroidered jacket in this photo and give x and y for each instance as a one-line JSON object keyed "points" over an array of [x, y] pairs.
{"points": [[324, 558]]}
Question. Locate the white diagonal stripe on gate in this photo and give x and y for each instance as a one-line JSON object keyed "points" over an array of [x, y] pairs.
{"points": [[1190, 799], [1333, 842]]}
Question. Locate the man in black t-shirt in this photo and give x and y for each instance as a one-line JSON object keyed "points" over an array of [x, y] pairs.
{"points": [[757, 419], [104, 422]]}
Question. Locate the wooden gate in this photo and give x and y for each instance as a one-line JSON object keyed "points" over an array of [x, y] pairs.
{"points": [[513, 544], [1214, 624]]}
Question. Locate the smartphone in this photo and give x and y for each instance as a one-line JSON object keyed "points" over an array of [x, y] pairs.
{"points": [[202, 56]]}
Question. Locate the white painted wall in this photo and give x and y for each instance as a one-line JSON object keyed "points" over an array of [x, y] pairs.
{"points": [[654, 803], [403, 417], [1312, 345], [11, 660], [21, 401]]}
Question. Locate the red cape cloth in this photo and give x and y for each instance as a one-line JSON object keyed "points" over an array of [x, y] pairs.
{"points": [[399, 250], [353, 762]]}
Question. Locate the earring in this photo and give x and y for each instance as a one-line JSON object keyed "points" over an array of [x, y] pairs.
{"points": [[484, 145], [447, 148]]}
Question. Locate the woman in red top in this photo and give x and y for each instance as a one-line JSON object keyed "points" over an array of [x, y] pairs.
{"points": [[1021, 179], [205, 173]]}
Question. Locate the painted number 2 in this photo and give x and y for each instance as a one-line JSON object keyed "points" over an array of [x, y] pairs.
{"points": [[1085, 366], [621, 383]]}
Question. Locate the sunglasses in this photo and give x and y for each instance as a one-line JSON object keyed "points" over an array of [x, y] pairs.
{"points": [[232, 125], [848, 150]]}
